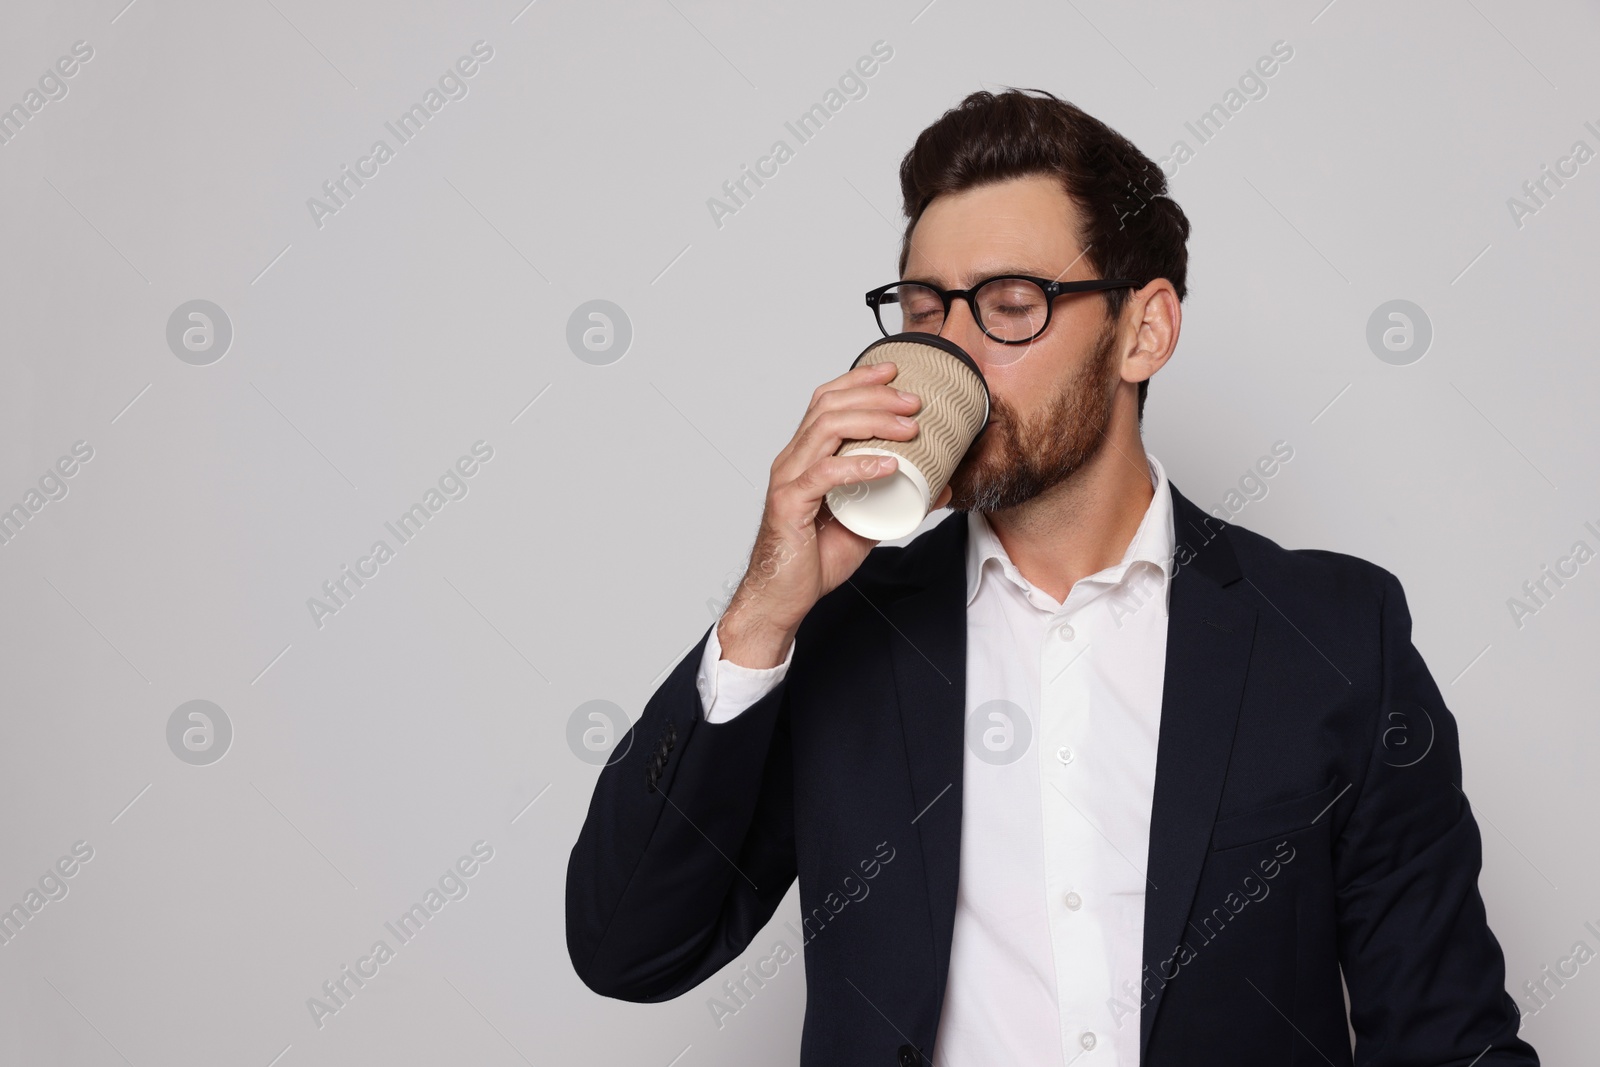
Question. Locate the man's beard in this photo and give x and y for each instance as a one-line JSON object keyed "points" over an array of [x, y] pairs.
{"points": [[1014, 461]]}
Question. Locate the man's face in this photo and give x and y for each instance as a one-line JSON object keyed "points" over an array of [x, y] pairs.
{"points": [[1050, 399]]}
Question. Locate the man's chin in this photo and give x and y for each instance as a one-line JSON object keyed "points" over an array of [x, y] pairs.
{"points": [[968, 488]]}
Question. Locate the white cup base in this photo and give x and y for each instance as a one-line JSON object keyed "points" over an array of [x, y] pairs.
{"points": [[886, 508]]}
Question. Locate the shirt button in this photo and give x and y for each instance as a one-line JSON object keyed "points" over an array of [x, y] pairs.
{"points": [[1086, 1039], [1065, 632], [1064, 754], [1074, 901]]}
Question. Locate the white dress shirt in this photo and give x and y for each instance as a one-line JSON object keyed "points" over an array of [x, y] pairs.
{"points": [[1063, 704]]}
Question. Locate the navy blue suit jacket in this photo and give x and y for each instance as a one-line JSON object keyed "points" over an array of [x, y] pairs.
{"points": [[1308, 815]]}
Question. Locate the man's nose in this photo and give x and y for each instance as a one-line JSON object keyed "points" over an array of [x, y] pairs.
{"points": [[960, 327]]}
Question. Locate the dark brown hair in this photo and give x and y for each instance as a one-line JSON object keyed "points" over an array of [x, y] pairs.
{"points": [[1130, 228]]}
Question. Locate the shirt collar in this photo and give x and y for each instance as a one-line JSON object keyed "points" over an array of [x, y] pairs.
{"points": [[1153, 542]]}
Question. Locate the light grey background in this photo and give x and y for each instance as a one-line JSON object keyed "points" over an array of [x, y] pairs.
{"points": [[428, 314]]}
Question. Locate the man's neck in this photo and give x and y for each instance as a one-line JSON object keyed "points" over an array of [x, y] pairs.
{"points": [[1084, 524]]}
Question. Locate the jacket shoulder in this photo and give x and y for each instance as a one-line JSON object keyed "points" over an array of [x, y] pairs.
{"points": [[914, 562], [892, 571], [1309, 575]]}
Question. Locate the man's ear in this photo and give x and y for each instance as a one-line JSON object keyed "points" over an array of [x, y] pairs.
{"points": [[1156, 316]]}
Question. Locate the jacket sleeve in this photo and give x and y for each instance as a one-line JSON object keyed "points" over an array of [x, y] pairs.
{"points": [[1426, 976], [688, 846]]}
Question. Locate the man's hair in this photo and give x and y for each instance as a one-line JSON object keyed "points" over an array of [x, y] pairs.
{"points": [[1130, 227]]}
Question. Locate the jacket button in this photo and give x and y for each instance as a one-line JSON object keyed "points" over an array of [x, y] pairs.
{"points": [[909, 1056]]}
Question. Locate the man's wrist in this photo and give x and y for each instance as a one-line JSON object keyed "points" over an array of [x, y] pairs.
{"points": [[750, 642]]}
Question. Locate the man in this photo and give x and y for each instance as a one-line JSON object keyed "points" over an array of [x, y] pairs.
{"points": [[1081, 774]]}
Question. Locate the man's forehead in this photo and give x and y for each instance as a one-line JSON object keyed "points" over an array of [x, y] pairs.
{"points": [[1023, 226]]}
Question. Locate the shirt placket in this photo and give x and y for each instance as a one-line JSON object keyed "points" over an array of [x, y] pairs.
{"points": [[1080, 909]]}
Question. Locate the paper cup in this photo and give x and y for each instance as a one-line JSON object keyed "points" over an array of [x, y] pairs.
{"points": [[955, 409]]}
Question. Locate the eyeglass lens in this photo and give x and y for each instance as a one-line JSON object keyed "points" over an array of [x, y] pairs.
{"points": [[1009, 309]]}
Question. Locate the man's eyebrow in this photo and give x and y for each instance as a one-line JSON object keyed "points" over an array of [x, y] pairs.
{"points": [[993, 271]]}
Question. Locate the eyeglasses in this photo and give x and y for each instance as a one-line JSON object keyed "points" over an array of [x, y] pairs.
{"points": [[1011, 308]]}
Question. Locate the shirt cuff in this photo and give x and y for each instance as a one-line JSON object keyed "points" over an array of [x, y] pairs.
{"points": [[726, 688]]}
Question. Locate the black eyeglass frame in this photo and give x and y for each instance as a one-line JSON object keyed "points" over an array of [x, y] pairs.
{"points": [[1052, 289]]}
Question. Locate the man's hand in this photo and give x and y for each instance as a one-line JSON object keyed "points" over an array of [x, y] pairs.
{"points": [[801, 553]]}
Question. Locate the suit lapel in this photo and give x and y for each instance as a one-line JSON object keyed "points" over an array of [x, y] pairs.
{"points": [[929, 643], [1209, 635]]}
